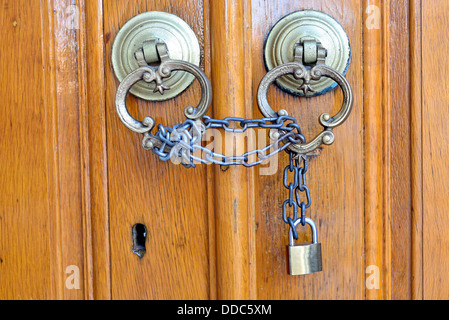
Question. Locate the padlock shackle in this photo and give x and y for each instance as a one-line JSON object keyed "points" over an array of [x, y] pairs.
{"points": [[312, 225]]}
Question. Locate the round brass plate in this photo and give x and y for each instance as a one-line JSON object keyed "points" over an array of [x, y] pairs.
{"points": [[181, 42], [279, 47]]}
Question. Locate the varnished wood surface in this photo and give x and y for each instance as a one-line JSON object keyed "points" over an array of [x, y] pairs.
{"points": [[374, 162], [68, 171], [335, 177], [399, 141], [24, 204], [97, 196], [170, 200], [416, 148], [229, 70], [75, 180], [435, 88]]}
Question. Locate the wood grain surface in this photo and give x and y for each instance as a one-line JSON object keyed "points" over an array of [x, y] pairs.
{"points": [[75, 180], [169, 200], [230, 70], [435, 88], [376, 164], [24, 211], [416, 149], [335, 177]]}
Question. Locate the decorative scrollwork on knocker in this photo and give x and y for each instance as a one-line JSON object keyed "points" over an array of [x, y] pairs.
{"points": [[158, 74], [300, 72]]}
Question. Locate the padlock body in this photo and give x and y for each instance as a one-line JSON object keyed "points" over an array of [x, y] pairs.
{"points": [[305, 259]]}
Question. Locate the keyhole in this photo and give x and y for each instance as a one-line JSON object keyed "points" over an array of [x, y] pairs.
{"points": [[139, 234]]}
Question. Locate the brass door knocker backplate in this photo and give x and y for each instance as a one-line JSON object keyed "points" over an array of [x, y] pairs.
{"points": [[139, 35], [298, 28]]}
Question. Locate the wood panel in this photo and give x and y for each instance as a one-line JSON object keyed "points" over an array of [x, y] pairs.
{"points": [[377, 214], [46, 230], [399, 143], [170, 200], [435, 88], [229, 38], [416, 149], [387, 147], [93, 52], [24, 206], [335, 176], [66, 118]]}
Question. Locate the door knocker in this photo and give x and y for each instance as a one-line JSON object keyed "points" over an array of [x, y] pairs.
{"points": [[307, 54]]}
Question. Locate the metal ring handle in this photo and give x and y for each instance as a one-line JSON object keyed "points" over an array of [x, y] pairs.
{"points": [[150, 74], [300, 72]]}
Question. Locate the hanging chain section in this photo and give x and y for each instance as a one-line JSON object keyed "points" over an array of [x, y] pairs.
{"points": [[295, 188]]}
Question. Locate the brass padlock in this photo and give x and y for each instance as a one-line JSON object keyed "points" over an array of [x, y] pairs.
{"points": [[305, 258]]}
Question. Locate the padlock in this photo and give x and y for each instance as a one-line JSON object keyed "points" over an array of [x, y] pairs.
{"points": [[305, 258]]}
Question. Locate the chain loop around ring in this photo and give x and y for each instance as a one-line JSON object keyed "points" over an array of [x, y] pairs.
{"points": [[300, 72], [157, 74]]}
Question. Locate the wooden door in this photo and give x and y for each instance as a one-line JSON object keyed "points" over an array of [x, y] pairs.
{"points": [[74, 180]]}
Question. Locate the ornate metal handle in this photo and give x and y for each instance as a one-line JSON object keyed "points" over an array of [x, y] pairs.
{"points": [[157, 74], [300, 72]]}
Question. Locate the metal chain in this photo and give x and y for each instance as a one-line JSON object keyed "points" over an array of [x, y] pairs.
{"points": [[295, 188], [182, 143]]}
